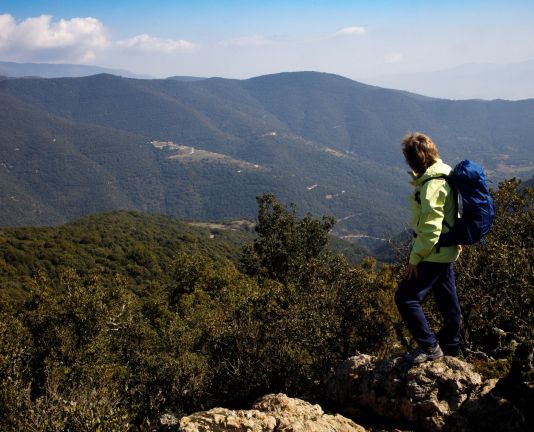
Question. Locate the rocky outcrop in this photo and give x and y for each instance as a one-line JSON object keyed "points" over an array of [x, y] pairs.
{"points": [[487, 411], [444, 395], [271, 413], [426, 394], [501, 405]]}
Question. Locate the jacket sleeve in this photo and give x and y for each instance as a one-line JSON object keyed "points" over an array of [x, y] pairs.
{"points": [[428, 229]]}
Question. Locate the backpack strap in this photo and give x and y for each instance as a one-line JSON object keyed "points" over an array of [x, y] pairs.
{"points": [[440, 177]]}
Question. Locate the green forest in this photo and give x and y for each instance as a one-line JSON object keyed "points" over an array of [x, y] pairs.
{"points": [[72, 147], [109, 321]]}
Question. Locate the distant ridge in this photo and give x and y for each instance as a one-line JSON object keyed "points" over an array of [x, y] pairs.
{"points": [[529, 183], [186, 78], [63, 70]]}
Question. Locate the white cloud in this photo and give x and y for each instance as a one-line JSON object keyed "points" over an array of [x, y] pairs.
{"points": [[253, 41], [350, 31], [393, 57], [7, 25], [40, 38], [78, 40], [147, 43]]}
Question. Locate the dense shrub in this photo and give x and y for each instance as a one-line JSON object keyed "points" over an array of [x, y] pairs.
{"points": [[496, 281], [88, 350]]}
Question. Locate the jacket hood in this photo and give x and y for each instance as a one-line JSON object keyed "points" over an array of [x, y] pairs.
{"points": [[437, 169]]}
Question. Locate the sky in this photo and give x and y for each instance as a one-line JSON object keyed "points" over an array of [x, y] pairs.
{"points": [[240, 39]]}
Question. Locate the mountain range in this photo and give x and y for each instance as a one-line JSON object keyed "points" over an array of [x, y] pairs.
{"points": [[203, 149], [59, 70]]}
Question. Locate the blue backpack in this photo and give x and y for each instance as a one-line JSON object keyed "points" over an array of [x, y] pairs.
{"points": [[475, 209]]}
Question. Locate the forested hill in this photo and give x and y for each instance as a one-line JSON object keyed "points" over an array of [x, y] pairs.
{"points": [[142, 248], [205, 149]]}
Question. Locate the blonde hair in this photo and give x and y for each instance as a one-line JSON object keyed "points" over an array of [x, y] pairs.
{"points": [[419, 151]]}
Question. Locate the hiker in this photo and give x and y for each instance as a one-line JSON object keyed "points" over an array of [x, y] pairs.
{"points": [[430, 266]]}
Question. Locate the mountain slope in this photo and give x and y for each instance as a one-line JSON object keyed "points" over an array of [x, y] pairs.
{"points": [[327, 109], [329, 144], [54, 169], [370, 120]]}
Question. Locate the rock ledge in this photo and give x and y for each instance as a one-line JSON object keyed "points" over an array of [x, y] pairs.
{"points": [[271, 413], [425, 394]]}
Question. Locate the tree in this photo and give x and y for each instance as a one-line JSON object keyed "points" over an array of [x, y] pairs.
{"points": [[285, 244]]}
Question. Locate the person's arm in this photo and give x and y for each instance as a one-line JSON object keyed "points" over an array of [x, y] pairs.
{"points": [[433, 196]]}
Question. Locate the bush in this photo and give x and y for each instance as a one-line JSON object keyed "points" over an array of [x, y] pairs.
{"points": [[496, 281]]}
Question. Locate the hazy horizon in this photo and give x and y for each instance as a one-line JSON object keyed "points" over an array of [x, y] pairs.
{"points": [[234, 38]]}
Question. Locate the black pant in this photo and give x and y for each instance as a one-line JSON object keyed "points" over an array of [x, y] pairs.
{"points": [[410, 296]]}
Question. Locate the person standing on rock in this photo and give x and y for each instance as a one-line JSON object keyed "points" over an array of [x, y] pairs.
{"points": [[430, 267]]}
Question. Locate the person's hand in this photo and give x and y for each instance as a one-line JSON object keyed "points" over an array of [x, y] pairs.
{"points": [[411, 270]]}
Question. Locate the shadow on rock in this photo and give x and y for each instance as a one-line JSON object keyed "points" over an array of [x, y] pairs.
{"points": [[501, 405], [424, 395]]}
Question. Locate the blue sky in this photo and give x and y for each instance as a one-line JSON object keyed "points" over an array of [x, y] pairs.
{"points": [[240, 38]]}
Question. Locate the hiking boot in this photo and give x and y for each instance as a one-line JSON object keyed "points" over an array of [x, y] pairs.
{"points": [[420, 355]]}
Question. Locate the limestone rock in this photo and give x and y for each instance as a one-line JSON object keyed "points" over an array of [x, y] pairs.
{"points": [[275, 412], [425, 394], [503, 405]]}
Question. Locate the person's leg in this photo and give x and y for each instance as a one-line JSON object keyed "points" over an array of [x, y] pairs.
{"points": [[449, 307], [409, 298]]}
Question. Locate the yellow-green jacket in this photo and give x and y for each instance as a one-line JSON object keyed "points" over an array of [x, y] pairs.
{"points": [[437, 204]]}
